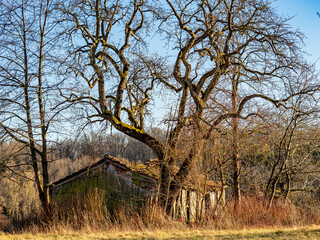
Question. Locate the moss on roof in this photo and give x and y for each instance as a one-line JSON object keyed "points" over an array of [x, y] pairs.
{"points": [[150, 169]]}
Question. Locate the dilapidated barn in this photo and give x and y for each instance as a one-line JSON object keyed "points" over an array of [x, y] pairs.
{"points": [[124, 181]]}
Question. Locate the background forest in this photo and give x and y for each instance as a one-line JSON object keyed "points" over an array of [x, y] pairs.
{"points": [[220, 89]]}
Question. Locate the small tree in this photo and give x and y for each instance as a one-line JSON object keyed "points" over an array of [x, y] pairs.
{"points": [[295, 141]]}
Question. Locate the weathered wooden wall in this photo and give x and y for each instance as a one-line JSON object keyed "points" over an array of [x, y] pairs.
{"points": [[192, 205], [121, 185]]}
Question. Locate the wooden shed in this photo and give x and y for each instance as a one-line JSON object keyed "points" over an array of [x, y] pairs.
{"points": [[124, 181]]}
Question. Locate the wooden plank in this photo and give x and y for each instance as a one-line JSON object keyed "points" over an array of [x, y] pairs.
{"points": [[193, 206], [212, 200], [184, 214]]}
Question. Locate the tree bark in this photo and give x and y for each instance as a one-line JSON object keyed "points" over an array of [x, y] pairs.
{"points": [[235, 144]]}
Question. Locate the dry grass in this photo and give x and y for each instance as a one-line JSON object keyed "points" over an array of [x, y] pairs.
{"points": [[253, 213], [88, 218], [310, 232], [91, 215]]}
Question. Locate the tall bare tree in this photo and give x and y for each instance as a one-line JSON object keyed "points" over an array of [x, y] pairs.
{"points": [[294, 144], [27, 79], [216, 38], [210, 39]]}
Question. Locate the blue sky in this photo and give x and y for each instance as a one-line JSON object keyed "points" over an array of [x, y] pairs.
{"points": [[305, 18]]}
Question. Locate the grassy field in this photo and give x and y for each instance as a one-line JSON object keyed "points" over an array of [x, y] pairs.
{"points": [[312, 232]]}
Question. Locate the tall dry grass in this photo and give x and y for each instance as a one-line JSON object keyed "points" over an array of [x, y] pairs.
{"points": [[253, 213], [91, 215]]}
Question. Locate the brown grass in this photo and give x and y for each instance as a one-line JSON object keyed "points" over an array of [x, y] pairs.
{"points": [[253, 213], [298, 233], [90, 215]]}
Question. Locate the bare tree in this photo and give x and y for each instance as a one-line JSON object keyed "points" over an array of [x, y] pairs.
{"points": [[295, 142], [28, 37], [216, 38], [210, 38]]}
